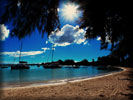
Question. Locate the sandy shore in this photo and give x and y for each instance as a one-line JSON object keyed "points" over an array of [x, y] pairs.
{"points": [[116, 86]]}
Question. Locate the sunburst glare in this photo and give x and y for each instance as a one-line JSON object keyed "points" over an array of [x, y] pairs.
{"points": [[70, 11]]}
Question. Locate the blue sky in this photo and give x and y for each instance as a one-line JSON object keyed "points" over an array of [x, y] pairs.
{"points": [[69, 42]]}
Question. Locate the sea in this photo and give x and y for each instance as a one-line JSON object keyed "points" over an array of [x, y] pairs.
{"points": [[45, 75]]}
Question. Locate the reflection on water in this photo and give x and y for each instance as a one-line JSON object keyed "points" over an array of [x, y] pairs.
{"points": [[41, 74]]}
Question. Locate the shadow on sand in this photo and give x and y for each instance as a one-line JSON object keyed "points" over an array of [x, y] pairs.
{"points": [[131, 84], [0, 82]]}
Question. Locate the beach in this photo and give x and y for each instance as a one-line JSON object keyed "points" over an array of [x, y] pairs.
{"points": [[114, 86]]}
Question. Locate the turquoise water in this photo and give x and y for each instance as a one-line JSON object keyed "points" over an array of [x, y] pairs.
{"points": [[35, 74]]}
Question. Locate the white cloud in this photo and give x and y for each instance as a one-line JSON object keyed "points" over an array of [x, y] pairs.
{"points": [[17, 53], [58, 9], [4, 32], [85, 42], [19, 3], [98, 38], [45, 49], [68, 35], [106, 39], [46, 42]]}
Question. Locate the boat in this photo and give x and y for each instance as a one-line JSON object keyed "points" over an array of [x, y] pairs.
{"points": [[52, 64], [4, 67], [21, 64], [75, 66]]}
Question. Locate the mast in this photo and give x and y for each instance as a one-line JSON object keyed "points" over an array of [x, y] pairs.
{"points": [[20, 51], [52, 52]]}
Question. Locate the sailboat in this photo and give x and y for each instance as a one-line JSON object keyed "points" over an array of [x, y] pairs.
{"points": [[22, 64], [52, 64]]}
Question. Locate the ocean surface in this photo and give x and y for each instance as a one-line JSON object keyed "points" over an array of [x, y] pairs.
{"points": [[36, 74]]}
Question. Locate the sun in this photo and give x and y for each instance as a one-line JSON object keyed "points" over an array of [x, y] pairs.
{"points": [[70, 11]]}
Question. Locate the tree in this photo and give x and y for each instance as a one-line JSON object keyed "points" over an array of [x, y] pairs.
{"points": [[84, 62], [60, 62], [112, 21], [69, 62], [28, 15]]}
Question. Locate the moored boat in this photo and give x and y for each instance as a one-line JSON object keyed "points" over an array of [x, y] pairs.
{"points": [[4, 67], [75, 66], [21, 65], [52, 66]]}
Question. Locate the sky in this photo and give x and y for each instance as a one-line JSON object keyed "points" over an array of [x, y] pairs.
{"points": [[69, 41]]}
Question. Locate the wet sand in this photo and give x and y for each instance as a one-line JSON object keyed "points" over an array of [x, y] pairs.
{"points": [[115, 86]]}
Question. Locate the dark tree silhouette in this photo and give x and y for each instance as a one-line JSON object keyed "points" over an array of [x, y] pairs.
{"points": [[69, 62], [83, 62], [108, 60], [28, 15], [112, 20], [60, 62]]}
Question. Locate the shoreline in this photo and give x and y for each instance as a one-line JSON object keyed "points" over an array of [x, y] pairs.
{"points": [[59, 82], [113, 86]]}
